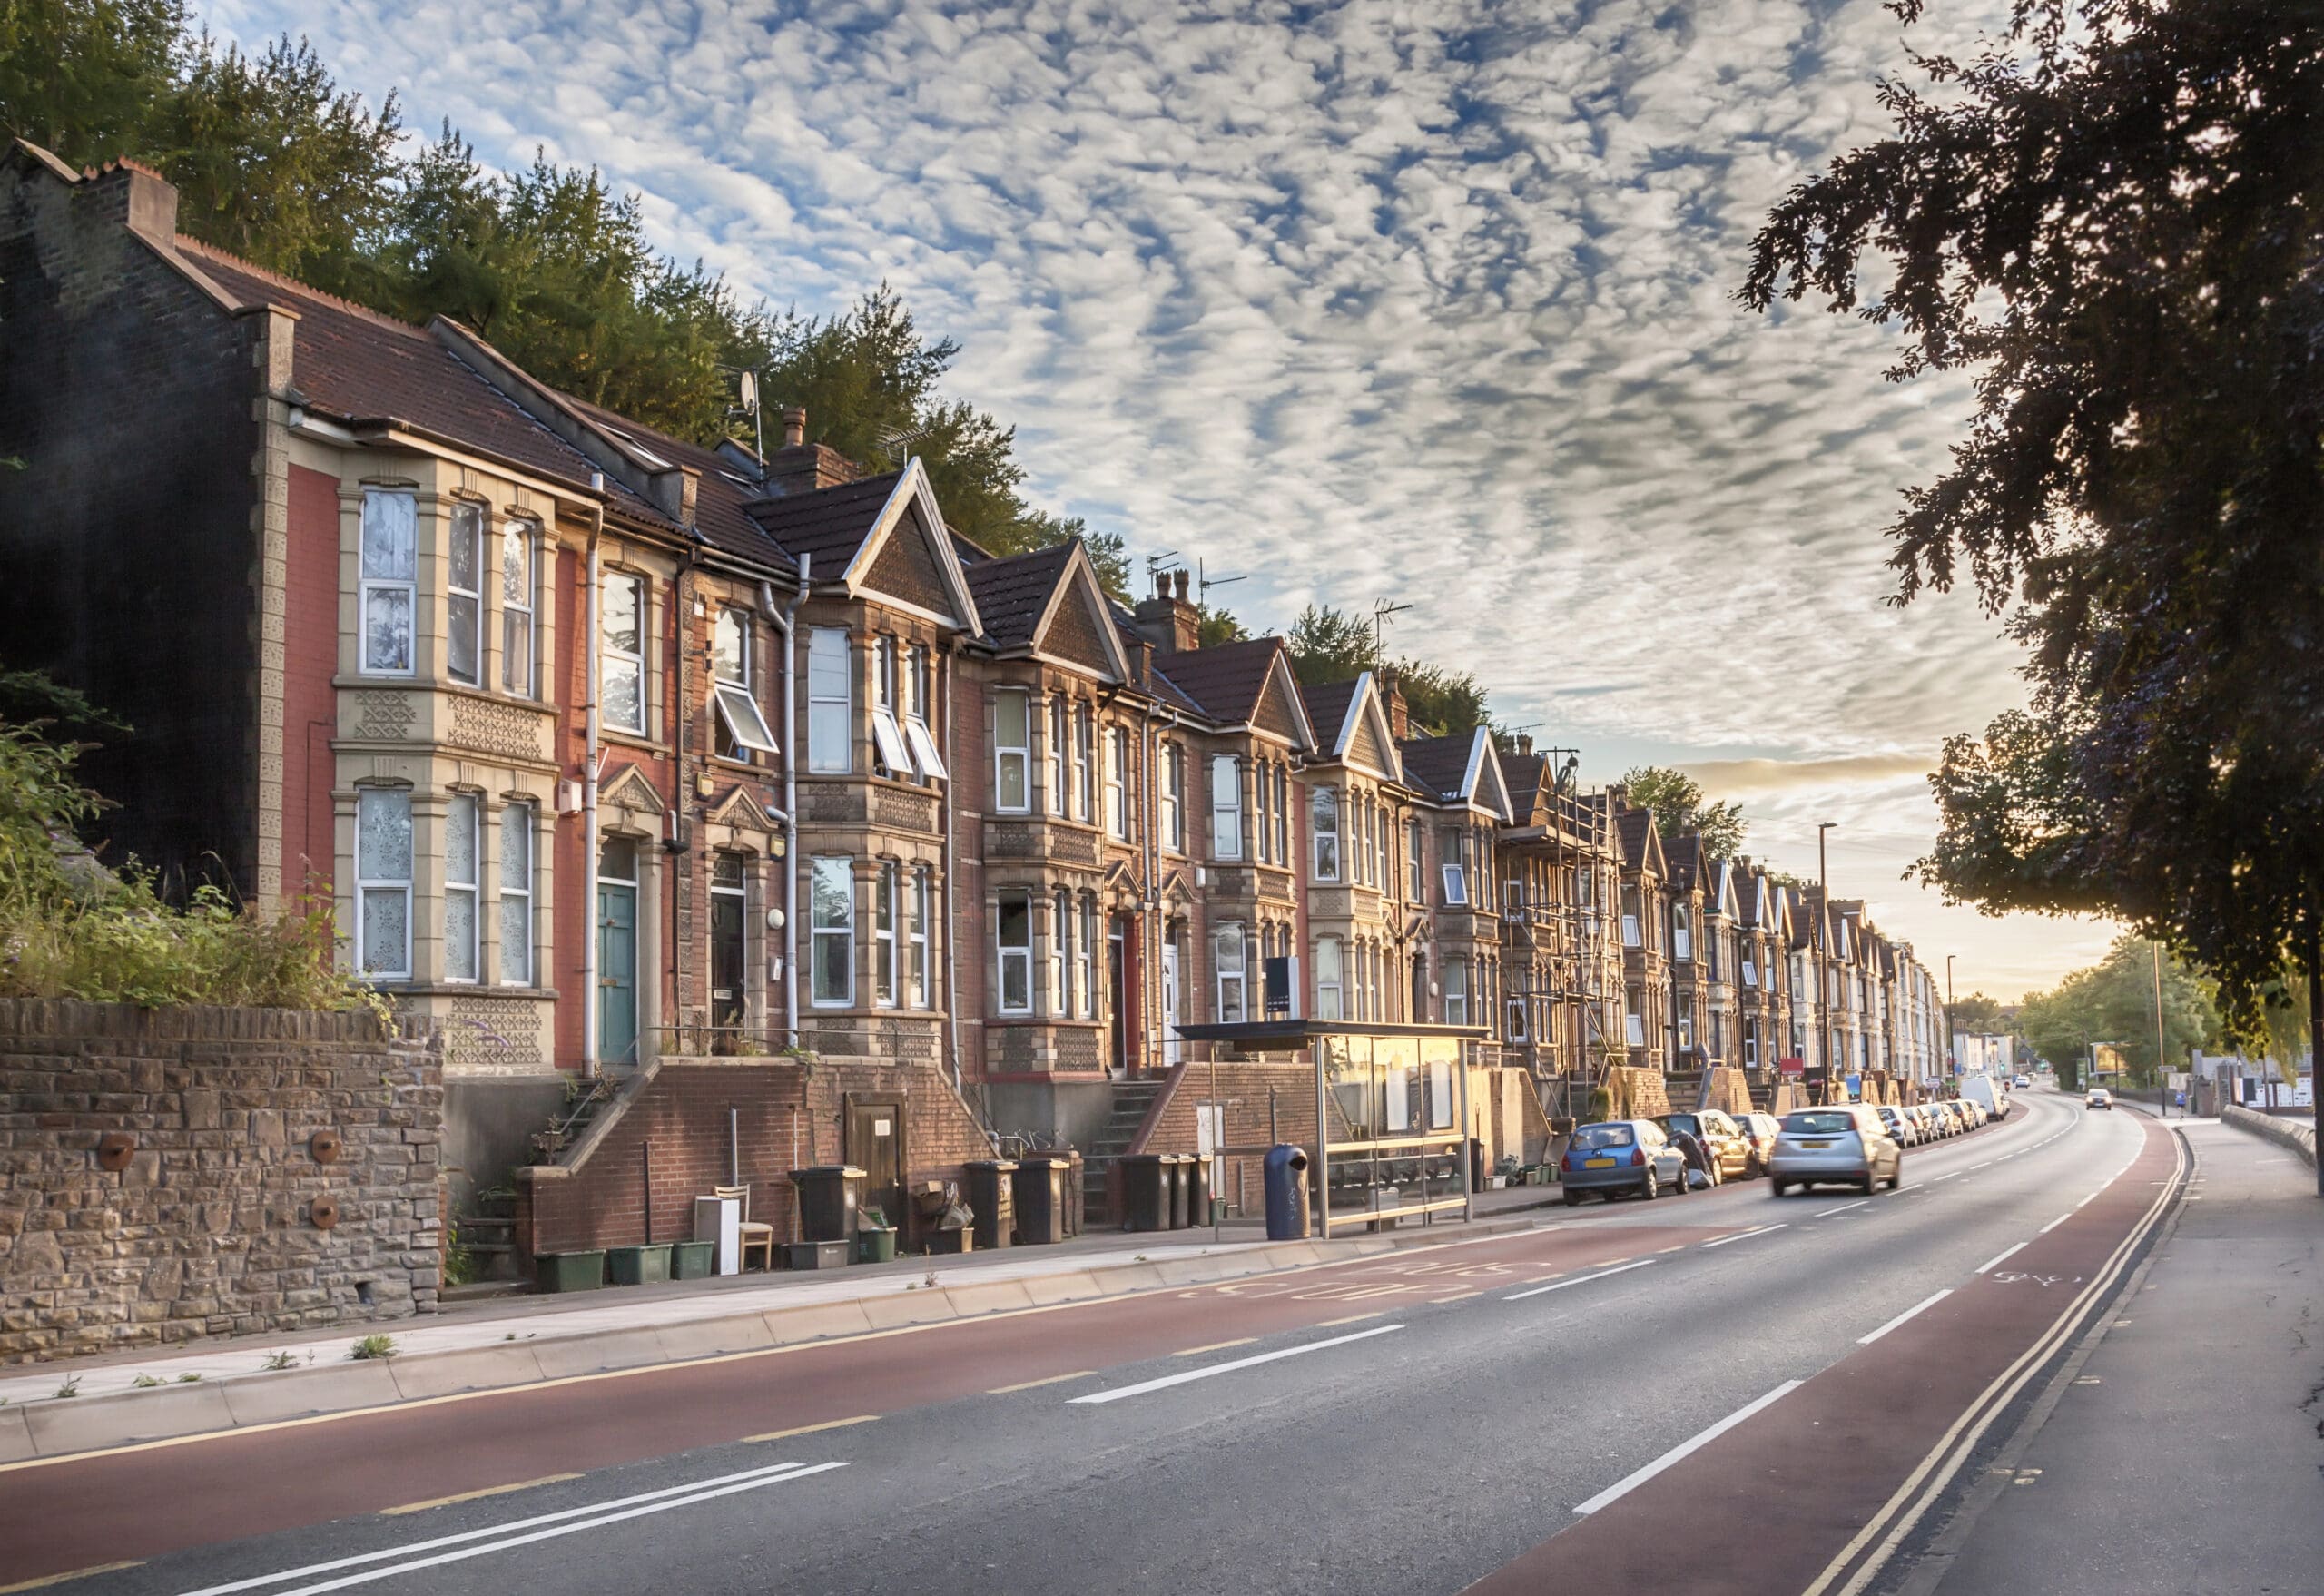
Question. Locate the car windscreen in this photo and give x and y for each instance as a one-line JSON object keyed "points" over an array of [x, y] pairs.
{"points": [[1685, 1122], [1604, 1136], [1819, 1122]]}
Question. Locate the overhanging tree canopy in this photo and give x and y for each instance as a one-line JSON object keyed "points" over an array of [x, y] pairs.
{"points": [[2114, 217]]}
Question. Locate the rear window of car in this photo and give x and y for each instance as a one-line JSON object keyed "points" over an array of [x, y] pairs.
{"points": [[1604, 1136], [1819, 1122], [1685, 1122]]}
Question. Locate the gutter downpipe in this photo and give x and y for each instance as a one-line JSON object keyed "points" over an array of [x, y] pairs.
{"points": [[943, 706], [593, 621], [785, 620]]}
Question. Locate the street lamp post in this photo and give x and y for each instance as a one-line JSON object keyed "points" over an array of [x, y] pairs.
{"points": [[1823, 919], [1948, 1016], [2162, 1080]]}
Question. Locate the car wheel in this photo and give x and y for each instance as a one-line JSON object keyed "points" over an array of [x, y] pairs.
{"points": [[1782, 1188], [1650, 1189], [1870, 1185], [1897, 1175], [1573, 1199]]}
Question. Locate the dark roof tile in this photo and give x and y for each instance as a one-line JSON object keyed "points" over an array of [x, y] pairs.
{"points": [[1224, 681], [1013, 593]]}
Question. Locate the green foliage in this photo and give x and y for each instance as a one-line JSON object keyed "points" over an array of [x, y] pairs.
{"points": [[1979, 1015], [459, 1263], [2091, 216], [81, 77], [70, 928], [375, 1346], [1328, 644], [1679, 803], [2113, 1001], [1217, 627]]}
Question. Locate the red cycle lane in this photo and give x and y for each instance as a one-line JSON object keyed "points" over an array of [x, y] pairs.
{"points": [[142, 1502], [1794, 1497]]}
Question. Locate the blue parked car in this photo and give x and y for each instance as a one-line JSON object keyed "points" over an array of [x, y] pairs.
{"points": [[1622, 1155]]}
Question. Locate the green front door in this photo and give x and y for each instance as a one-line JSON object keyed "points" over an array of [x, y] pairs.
{"points": [[617, 953]]}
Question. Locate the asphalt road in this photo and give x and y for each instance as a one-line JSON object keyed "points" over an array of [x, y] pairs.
{"points": [[1720, 1391]]}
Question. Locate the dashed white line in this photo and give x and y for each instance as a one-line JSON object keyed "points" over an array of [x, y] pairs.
{"points": [[1577, 1280], [1926, 1303], [1986, 1165], [1954, 1175], [2053, 1224], [1745, 1235], [1843, 1207], [1999, 1257], [1631, 1482], [1167, 1381]]}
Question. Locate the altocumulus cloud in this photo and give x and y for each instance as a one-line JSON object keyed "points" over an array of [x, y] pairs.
{"points": [[1362, 300]]}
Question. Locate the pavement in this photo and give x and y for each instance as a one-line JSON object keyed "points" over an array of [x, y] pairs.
{"points": [[1538, 1406], [223, 1382], [2182, 1452]]}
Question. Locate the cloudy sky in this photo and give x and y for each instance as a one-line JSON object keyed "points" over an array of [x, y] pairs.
{"points": [[1416, 298]]}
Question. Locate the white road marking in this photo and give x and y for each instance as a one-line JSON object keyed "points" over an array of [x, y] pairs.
{"points": [[2087, 1198], [1684, 1449], [1577, 1280], [1986, 1165], [1167, 1381], [1926, 1303], [2053, 1224], [1954, 1175], [1745, 1236], [1843, 1207], [1999, 1258], [632, 1507]]}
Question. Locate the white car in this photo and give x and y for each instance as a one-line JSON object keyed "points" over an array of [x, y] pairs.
{"points": [[2099, 1098]]}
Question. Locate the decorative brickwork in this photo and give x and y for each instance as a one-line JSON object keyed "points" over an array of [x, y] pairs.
{"points": [[210, 1227], [385, 717], [493, 1035], [506, 730]]}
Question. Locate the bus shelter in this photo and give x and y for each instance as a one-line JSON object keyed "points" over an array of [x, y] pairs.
{"points": [[1391, 1112]]}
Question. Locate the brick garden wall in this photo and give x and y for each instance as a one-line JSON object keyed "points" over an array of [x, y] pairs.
{"points": [[681, 1117], [208, 1230]]}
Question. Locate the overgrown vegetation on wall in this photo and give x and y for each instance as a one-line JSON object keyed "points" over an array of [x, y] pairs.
{"points": [[72, 927]]}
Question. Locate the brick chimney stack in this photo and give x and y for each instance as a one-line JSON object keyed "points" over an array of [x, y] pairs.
{"points": [[1169, 620], [800, 467], [1399, 714]]}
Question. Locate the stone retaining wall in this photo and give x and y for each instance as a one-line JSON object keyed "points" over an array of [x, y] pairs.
{"points": [[208, 1224], [2291, 1133]]}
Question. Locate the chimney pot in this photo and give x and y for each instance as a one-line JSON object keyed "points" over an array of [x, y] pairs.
{"points": [[1180, 578], [1161, 583], [794, 426]]}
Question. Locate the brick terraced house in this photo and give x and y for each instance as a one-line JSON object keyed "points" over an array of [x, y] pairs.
{"points": [[749, 786]]}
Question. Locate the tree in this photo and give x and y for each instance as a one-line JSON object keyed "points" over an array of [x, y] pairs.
{"points": [[82, 77], [1218, 627], [1330, 646], [2110, 216], [2113, 1001], [1446, 702], [1979, 1015], [1679, 803]]}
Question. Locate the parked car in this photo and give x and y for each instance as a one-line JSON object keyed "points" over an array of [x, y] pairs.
{"points": [[1731, 1154], [1616, 1155], [1832, 1146], [1760, 1131], [1901, 1125], [2099, 1098]]}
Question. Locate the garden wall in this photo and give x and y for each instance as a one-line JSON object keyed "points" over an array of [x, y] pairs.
{"points": [[161, 1174]]}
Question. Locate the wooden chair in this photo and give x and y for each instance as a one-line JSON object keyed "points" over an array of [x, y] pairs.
{"points": [[760, 1236]]}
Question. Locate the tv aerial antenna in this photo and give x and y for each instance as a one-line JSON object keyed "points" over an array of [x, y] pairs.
{"points": [[1205, 581], [1380, 610]]}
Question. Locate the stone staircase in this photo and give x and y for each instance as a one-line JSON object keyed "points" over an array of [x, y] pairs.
{"points": [[487, 1234], [1132, 1098]]}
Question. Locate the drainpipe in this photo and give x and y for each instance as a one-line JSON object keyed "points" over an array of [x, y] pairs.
{"points": [[592, 620], [785, 621], [943, 707]]}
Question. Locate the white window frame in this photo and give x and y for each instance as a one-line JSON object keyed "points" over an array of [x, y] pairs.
{"points": [[830, 702], [1330, 979], [833, 938], [519, 841], [1517, 1025], [1060, 739], [464, 814], [892, 757], [1117, 784], [1226, 818], [1059, 957], [736, 706], [887, 971], [1085, 956], [1416, 839], [1085, 758], [400, 578], [1012, 756], [1633, 1020], [1633, 900], [1282, 814], [1325, 806], [1234, 977], [1383, 863], [1017, 956], [1262, 811], [1174, 795], [1456, 992], [368, 884], [466, 534], [609, 656], [919, 682], [916, 979], [1682, 933], [520, 649]]}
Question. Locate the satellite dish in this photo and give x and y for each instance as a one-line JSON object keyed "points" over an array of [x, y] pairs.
{"points": [[750, 393]]}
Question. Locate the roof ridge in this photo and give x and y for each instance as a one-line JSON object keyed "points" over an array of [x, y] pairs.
{"points": [[185, 243]]}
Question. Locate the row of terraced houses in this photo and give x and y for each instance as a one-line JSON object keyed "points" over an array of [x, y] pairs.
{"points": [[614, 752]]}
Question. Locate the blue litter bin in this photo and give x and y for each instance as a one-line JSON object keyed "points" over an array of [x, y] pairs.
{"points": [[1286, 1193]]}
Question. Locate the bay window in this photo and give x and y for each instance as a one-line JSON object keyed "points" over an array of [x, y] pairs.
{"points": [[832, 922], [1456, 992], [1060, 954], [1117, 784], [1682, 932], [1455, 868], [1085, 958], [1013, 937], [740, 729], [383, 883], [830, 703], [389, 558], [1085, 759], [1010, 754], [1325, 820], [462, 825], [918, 679], [1174, 784], [621, 652], [884, 915], [1283, 815], [518, 583], [464, 598], [517, 822], [1061, 739], [1226, 953], [890, 756], [918, 935], [1328, 979], [1263, 813], [1226, 809]]}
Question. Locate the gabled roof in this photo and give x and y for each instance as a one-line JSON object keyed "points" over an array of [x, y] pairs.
{"points": [[845, 529], [1641, 841], [1461, 769], [1348, 715], [828, 524], [1049, 602], [1232, 682], [1012, 594]]}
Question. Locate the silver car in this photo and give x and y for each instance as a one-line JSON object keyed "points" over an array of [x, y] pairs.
{"points": [[1845, 1146]]}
